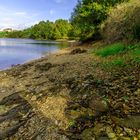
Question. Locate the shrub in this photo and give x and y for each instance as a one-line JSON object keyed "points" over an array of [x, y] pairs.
{"points": [[123, 23]]}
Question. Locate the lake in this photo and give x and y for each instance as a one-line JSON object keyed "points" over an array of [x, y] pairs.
{"points": [[19, 51]]}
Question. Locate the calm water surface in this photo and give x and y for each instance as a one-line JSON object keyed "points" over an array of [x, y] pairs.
{"points": [[18, 51]]}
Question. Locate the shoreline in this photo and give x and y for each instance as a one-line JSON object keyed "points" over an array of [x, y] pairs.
{"points": [[67, 95], [61, 51], [49, 53]]}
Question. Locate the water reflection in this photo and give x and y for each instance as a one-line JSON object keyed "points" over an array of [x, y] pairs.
{"points": [[18, 51]]}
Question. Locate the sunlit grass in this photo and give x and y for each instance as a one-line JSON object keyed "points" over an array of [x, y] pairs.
{"points": [[118, 55], [114, 63], [111, 50]]}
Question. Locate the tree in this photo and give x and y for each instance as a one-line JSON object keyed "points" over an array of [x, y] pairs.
{"points": [[89, 14]]}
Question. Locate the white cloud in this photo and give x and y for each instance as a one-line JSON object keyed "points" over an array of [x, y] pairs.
{"points": [[20, 13], [14, 19], [52, 12]]}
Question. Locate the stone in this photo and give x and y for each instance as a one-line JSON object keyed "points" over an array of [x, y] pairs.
{"points": [[78, 51], [124, 138], [103, 138], [137, 92], [88, 134], [98, 104], [139, 137], [118, 130], [34, 98], [135, 138], [111, 135], [129, 131]]}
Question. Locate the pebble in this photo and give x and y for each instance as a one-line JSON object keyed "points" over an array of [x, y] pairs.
{"points": [[34, 98], [135, 138], [111, 135], [139, 136], [124, 138], [129, 131], [103, 138]]}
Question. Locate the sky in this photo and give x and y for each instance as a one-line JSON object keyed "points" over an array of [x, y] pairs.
{"points": [[20, 14]]}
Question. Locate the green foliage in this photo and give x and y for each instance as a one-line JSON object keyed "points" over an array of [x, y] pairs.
{"points": [[121, 56], [72, 123], [125, 98], [89, 14], [3, 34], [45, 30], [114, 63], [135, 54], [123, 23], [118, 48], [113, 49]]}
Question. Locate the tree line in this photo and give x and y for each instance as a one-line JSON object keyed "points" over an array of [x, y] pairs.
{"points": [[45, 30], [84, 23]]}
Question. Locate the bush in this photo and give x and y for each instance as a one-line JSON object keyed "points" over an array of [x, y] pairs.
{"points": [[123, 23]]}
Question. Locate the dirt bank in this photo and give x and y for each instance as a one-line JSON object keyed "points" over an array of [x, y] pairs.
{"points": [[67, 96]]}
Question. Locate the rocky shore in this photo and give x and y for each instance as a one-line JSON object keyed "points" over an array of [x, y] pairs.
{"points": [[67, 96]]}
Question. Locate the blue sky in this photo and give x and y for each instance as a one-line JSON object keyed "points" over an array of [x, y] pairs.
{"points": [[19, 14]]}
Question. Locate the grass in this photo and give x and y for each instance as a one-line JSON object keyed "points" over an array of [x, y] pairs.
{"points": [[109, 50], [120, 55], [114, 63]]}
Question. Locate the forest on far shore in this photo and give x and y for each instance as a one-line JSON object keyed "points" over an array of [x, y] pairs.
{"points": [[90, 20]]}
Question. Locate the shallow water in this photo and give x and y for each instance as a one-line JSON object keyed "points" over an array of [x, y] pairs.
{"points": [[18, 51]]}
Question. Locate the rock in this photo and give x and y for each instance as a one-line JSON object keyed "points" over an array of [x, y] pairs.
{"points": [[78, 51], [44, 66], [73, 114], [131, 121], [121, 134], [124, 138], [135, 138], [139, 136], [88, 134], [109, 129], [111, 135], [118, 130], [129, 131], [103, 138], [91, 133], [38, 138], [98, 104], [34, 98], [137, 92]]}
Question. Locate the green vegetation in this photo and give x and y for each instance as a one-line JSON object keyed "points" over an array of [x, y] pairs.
{"points": [[109, 20], [111, 50], [3, 34], [88, 15], [84, 24], [114, 64], [123, 23], [60, 29], [121, 55]]}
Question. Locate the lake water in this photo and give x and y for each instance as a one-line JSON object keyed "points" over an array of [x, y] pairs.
{"points": [[18, 51]]}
